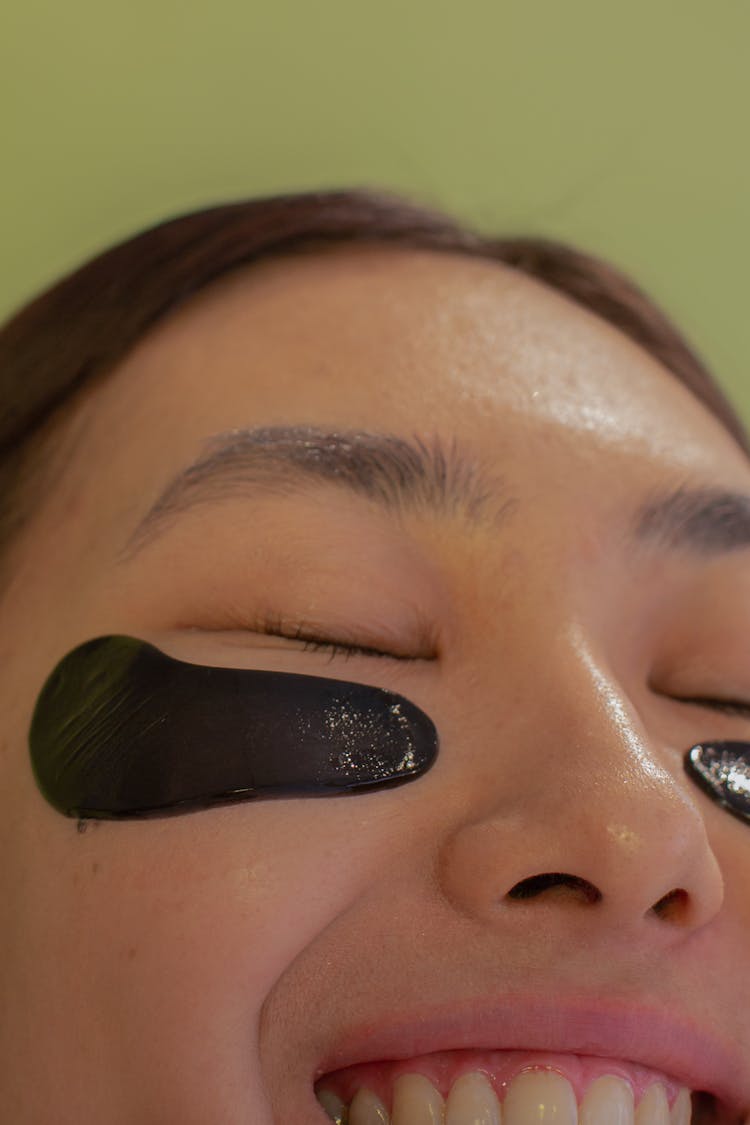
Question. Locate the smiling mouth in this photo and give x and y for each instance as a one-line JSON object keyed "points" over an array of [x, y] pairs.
{"points": [[514, 1088]]}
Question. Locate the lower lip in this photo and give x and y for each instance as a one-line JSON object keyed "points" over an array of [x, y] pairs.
{"points": [[443, 1068]]}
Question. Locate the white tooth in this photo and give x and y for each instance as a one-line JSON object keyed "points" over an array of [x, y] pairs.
{"points": [[540, 1097], [333, 1105], [416, 1101], [608, 1100], [472, 1101], [367, 1109], [681, 1111], [653, 1108]]}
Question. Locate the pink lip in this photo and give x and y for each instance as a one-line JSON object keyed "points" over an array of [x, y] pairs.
{"points": [[639, 1034]]}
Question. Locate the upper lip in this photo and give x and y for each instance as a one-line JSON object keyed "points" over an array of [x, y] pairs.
{"points": [[619, 1029]]}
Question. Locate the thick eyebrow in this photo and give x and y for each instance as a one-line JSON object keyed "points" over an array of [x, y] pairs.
{"points": [[400, 474], [395, 473]]}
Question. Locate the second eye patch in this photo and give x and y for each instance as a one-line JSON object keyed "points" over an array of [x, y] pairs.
{"points": [[722, 769]]}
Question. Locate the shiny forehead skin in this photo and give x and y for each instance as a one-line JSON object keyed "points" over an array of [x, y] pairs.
{"points": [[394, 341], [121, 730]]}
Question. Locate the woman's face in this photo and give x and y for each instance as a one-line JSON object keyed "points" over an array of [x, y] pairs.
{"points": [[211, 967]]}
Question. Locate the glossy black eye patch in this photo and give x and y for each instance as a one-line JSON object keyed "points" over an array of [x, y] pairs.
{"points": [[722, 769], [123, 730]]}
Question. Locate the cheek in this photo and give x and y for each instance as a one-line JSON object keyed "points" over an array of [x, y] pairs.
{"points": [[207, 910], [150, 948]]}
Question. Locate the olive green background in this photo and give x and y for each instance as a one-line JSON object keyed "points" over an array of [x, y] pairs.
{"points": [[620, 127]]}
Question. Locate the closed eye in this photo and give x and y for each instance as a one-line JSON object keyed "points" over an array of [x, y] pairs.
{"points": [[726, 706], [288, 629], [312, 642]]}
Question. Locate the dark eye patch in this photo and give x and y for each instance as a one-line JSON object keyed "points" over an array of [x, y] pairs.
{"points": [[722, 769], [122, 730]]}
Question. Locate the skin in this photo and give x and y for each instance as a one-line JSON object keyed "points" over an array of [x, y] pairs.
{"points": [[199, 968]]}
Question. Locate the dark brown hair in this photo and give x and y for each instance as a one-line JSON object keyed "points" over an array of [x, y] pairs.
{"points": [[79, 329]]}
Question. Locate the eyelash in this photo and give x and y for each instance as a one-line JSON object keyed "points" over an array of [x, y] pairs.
{"points": [[347, 651], [726, 706], [312, 643]]}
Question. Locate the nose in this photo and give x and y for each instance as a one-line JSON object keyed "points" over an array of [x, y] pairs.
{"points": [[572, 807]]}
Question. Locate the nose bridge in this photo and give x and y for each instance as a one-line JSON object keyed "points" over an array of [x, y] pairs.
{"points": [[585, 741], [583, 801], [600, 727]]}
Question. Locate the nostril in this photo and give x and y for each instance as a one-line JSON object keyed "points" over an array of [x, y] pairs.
{"points": [[537, 884], [671, 906]]}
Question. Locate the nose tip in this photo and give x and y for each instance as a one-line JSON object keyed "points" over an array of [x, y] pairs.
{"points": [[663, 872], [576, 807], [595, 821]]}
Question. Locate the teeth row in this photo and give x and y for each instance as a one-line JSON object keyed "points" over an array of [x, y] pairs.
{"points": [[534, 1097]]}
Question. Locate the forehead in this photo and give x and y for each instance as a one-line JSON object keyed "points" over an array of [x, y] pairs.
{"points": [[399, 341]]}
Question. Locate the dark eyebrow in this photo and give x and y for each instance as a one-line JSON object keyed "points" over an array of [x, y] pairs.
{"points": [[392, 471], [401, 474], [703, 521]]}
